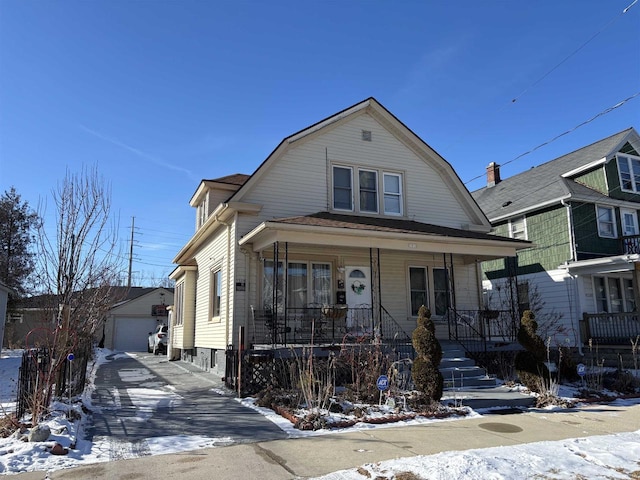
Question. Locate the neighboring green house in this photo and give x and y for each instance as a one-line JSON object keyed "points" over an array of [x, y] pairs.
{"points": [[581, 213]]}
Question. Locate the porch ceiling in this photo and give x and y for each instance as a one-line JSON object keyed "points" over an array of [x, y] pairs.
{"points": [[326, 229]]}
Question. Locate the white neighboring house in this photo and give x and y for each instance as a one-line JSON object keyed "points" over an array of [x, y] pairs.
{"points": [[4, 297], [363, 214], [129, 322]]}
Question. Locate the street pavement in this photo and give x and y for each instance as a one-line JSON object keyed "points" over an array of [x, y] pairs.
{"points": [[264, 454]]}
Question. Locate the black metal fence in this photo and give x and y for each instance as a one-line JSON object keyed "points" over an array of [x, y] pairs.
{"points": [[42, 376], [474, 329]]}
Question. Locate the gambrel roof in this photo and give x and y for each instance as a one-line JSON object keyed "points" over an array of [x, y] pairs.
{"points": [[550, 182], [403, 133]]}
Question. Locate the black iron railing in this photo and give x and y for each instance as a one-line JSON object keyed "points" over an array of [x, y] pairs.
{"points": [[610, 328], [631, 244], [474, 329]]}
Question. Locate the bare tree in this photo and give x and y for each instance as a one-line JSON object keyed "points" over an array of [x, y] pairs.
{"points": [[77, 271]]}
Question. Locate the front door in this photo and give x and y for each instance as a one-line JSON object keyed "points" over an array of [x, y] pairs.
{"points": [[358, 289]]}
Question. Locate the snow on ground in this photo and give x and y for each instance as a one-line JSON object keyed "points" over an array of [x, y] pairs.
{"points": [[610, 456]]}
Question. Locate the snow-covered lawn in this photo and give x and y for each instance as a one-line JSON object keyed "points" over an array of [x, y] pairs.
{"points": [[611, 456]]}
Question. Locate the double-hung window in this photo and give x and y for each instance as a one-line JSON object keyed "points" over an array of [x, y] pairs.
{"points": [[613, 294], [179, 304], [418, 288], [629, 222], [440, 291], [606, 222], [307, 283], [342, 188], [629, 169], [392, 194], [216, 292], [518, 228], [368, 182], [375, 191]]}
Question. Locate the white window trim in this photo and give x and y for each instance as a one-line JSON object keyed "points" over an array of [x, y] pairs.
{"points": [[212, 285], [179, 304], [626, 157], [399, 194], [333, 188], [524, 227], [613, 217], [310, 264], [634, 213], [377, 191], [427, 294], [380, 192], [623, 296]]}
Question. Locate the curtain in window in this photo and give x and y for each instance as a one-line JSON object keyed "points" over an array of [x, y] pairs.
{"points": [[321, 284], [297, 285], [342, 188], [368, 191], [440, 291], [418, 285], [268, 287]]}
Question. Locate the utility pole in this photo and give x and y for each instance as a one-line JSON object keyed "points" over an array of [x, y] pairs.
{"points": [[133, 220]]}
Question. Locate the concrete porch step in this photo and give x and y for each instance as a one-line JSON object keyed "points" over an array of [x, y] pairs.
{"points": [[470, 382], [456, 362], [483, 398], [472, 371]]}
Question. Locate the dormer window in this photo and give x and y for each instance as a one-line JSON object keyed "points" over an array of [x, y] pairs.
{"points": [[629, 169], [202, 211]]}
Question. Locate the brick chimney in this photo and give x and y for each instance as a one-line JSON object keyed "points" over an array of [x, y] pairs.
{"points": [[493, 174]]}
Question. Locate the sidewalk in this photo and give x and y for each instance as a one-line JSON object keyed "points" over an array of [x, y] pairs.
{"points": [[320, 455]]}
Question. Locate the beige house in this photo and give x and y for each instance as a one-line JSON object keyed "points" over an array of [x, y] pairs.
{"points": [[345, 229]]}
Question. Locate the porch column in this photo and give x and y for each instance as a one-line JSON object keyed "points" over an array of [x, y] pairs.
{"points": [[636, 285]]}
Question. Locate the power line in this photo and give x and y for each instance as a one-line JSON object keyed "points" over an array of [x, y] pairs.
{"points": [[604, 112], [574, 52]]}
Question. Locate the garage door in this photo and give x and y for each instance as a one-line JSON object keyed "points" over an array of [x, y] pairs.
{"points": [[131, 334]]}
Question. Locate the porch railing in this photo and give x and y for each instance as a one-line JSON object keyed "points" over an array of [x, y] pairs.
{"points": [[474, 329], [631, 244], [610, 328], [317, 324]]}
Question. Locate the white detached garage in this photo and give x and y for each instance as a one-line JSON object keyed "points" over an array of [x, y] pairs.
{"points": [[129, 322]]}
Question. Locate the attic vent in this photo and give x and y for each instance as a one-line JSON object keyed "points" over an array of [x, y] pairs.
{"points": [[366, 135]]}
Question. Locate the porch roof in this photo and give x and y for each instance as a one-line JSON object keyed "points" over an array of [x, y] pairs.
{"points": [[603, 265], [324, 228]]}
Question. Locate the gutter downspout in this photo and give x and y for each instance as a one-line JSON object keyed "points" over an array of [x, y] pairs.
{"points": [[228, 309], [574, 278]]}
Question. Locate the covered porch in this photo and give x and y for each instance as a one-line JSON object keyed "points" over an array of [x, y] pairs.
{"points": [[329, 279], [608, 297]]}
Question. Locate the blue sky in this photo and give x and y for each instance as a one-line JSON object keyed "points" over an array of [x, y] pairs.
{"points": [[161, 94]]}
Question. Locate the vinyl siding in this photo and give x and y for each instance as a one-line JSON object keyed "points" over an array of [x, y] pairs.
{"points": [[213, 255], [553, 299], [298, 182]]}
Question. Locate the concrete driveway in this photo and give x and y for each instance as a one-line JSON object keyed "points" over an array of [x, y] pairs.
{"points": [[178, 399]]}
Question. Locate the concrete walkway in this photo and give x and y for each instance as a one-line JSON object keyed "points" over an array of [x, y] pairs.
{"points": [[315, 456]]}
